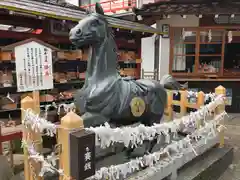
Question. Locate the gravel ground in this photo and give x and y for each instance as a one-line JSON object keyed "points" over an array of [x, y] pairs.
{"points": [[232, 138]]}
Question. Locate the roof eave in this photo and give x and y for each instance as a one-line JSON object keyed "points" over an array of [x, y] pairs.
{"points": [[12, 46], [62, 13]]}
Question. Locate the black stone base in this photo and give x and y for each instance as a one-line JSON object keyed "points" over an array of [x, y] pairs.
{"points": [[208, 166]]}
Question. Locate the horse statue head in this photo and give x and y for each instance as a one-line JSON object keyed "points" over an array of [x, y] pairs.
{"points": [[94, 31], [101, 73], [91, 30]]}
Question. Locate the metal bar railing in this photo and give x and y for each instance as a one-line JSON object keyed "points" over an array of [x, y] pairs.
{"points": [[114, 5]]}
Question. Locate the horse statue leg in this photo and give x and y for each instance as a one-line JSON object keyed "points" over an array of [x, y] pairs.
{"points": [[159, 102], [168, 82], [93, 119]]}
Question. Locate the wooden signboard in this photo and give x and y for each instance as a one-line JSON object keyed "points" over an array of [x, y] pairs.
{"points": [[33, 67], [165, 30]]}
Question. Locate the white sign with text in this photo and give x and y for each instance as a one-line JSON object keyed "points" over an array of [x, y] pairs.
{"points": [[33, 67]]}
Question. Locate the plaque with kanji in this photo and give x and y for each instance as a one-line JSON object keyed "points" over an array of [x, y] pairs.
{"points": [[33, 67], [82, 154]]}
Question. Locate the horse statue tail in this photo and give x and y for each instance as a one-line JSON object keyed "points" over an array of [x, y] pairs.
{"points": [[170, 83]]}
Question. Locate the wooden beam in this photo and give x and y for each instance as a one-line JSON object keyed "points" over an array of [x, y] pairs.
{"points": [[21, 21], [56, 12], [48, 38], [150, 20], [52, 39]]}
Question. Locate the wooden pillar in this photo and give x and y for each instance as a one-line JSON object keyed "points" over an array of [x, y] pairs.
{"points": [[31, 168], [1, 150], [36, 109], [156, 56], [220, 90], [183, 103], [200, 99], [70, 122], [36, 101], [142, 74], [156, 76], [200, 102], [139, 55], [169, 107], [26, 103], [11, 153]]}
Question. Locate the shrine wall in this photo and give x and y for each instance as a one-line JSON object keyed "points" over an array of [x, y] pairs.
{"points": [[164, 52], [179, 21], [173, 21], [164, 46], [147, 53]]}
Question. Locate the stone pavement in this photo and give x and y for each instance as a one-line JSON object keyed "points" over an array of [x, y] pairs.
{"points": [[232, 138]]}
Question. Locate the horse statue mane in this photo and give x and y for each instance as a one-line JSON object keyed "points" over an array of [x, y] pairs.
{"points": [[106, 96]]}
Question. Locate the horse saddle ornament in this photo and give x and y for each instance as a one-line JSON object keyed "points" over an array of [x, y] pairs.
{"points": [[138, 106]]}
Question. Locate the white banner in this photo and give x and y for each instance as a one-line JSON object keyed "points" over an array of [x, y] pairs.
{"points": [[33, 67]]}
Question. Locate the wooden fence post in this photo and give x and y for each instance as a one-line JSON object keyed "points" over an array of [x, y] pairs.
{"points": [[220, 90], [26, 103], [183, 103], [31, 169], [142, 74], [1, 147], [200, 102], [169, 107], [155, 74], [70, 122]]}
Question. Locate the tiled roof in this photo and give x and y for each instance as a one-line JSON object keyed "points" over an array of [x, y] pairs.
{"points": [[56, 11], [190, 7], [60, 3]]}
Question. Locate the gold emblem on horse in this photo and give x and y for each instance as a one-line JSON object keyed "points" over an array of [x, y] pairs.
{"points": [[137, 106]]}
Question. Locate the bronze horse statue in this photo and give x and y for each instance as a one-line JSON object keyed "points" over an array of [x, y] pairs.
{"points": [[106, 96]]}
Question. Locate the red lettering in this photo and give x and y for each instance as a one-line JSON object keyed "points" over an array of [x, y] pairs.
{"points": [[46, 67], [46, 73]]}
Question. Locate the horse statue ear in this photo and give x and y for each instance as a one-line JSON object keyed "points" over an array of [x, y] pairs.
{"points": [[99, 9]]}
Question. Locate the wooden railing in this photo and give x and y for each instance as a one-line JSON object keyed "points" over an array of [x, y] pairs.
{"points": [[149, 74], [71, 123], [184, 103]]}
